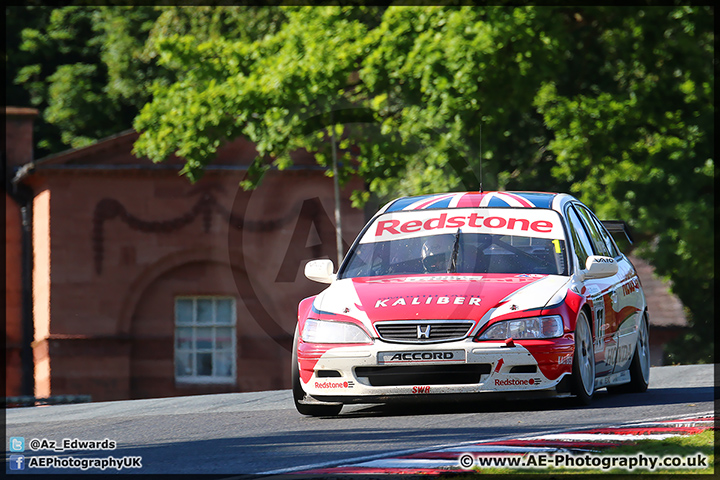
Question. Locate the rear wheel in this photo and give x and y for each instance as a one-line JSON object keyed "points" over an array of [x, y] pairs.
{"points": [[583, 370], [640, 365], [300, 398]]}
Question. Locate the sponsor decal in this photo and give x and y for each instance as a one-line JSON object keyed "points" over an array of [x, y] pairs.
{"points": [[474, 220], [630, 287], [428, 300], [623, 353], [421, 356], [516, 382], [446, 278], [499, 364], [621, 377], [600, 327], [565, 359], [517, 279], [334, 384], [424, 389], [529, 223], [604, 260]]}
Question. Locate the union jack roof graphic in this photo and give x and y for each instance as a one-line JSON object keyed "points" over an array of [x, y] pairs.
{"points": [[473, 199]]}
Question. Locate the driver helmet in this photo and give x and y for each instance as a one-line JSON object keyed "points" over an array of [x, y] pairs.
{"points": [[435, 255]]}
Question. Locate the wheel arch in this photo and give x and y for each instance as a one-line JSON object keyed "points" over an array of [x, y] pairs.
{"points": [[591, 319]]}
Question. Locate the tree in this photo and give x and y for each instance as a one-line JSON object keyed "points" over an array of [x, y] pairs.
{"points": [[88, 69], [639, 144], [613, 104], [81, 69]]}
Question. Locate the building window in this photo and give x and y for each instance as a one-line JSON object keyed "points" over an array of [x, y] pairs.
{"points": [[205, 339]]}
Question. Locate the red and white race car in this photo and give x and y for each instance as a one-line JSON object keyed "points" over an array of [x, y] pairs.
{"points": [[468, 293]]}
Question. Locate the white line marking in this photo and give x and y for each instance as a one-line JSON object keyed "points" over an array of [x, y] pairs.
{"points": [[396, 463], [602, 437]]}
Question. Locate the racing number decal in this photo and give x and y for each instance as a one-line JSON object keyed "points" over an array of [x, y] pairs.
{"points": [[600, 326]]}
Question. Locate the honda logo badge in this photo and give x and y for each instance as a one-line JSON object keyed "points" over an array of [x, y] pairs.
{"points": [[423, 333]]}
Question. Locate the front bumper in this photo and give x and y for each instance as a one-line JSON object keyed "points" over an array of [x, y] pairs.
{"points": [[384, 371]]}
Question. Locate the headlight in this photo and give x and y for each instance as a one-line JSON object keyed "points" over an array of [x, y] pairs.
{"points": [[319, 331], [525, 328]]}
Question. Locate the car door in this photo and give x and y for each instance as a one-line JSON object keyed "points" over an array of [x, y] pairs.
{"points": [[598, 292]]}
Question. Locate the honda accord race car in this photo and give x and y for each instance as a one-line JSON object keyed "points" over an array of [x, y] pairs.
{"points": [[467, 293]]}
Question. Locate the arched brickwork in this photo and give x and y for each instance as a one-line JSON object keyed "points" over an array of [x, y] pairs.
{"points": [[161, 267]]}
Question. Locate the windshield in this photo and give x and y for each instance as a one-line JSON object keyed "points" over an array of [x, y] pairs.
{"points": [[520, 241]]}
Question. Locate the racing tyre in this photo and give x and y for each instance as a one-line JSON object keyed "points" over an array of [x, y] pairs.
{"points": [[640, 365], [583, 367], [300, 397]]}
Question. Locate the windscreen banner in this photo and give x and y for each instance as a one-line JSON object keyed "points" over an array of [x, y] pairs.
{"points": [[524, 222]]}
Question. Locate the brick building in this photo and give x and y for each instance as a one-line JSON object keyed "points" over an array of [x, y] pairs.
{"points": [[144, 285], [123, 280]]}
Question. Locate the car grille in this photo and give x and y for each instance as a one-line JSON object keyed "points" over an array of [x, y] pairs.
{"points": [[427, 331], [423, 374]]}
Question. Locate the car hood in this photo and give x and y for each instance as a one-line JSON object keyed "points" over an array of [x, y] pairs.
{"points": [[438, 297]]}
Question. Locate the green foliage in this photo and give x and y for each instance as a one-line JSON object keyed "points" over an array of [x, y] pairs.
{"points": [[80, 69], [461, 81], [612, 104], [265, 90], [638, 144], [89, 69]]}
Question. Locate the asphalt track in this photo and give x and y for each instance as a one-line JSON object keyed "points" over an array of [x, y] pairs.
{"points": [[261, 433]]}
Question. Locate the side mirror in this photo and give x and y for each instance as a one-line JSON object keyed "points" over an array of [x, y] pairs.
{"points": [[598, 266], [320, 270]]}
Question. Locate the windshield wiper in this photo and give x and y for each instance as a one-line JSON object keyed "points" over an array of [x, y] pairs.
{"points": [[452, 267]]}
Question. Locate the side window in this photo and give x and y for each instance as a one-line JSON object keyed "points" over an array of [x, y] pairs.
{"points": [[598, 241], [581, 242], [607, 239]]}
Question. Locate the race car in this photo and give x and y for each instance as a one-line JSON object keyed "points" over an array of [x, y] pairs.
{"points": [[448, 295]]}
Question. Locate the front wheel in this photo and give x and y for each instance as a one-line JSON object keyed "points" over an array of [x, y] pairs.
{"points": [[583, 369], [299, 395]]}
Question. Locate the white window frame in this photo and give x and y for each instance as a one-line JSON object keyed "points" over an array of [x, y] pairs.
{"points": [[193, 349]]}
